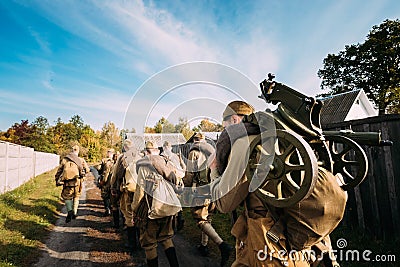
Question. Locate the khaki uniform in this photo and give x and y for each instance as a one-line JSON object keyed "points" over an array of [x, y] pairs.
{"points": [[229, 190], [152, 231], [202, 212], [118, 183], [71, 188], [105, 170]]}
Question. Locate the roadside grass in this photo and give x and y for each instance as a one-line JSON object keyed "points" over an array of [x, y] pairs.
{"points": [[220, 222], [357, 248], [27, 215]]}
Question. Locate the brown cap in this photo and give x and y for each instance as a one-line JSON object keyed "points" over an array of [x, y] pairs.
{"points": [[127, 144], [199, 135], [150, 145], [237, 107], [167, 144], [75, 148]]}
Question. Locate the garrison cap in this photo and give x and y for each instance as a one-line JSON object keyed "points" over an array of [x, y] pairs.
{"points": [[127, 144], [167, 144], [75, 148], [237, 107], [199, 135], [150, 145]]}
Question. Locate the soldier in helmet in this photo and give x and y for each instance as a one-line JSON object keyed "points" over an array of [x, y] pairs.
{"points": [[263, 226], [124, 181], [70, 175], [197, 177], [153, 231], [180, 165], [104, 183]]}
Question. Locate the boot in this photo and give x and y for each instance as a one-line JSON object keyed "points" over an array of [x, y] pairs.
{"points": [[180, 221], [106, 203], [115, 214], [225, 249], [152, 262], [132, 246], [69, 216], [171, 256], [137, 236], [203, 250]]}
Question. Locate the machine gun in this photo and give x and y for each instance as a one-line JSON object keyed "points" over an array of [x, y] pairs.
{"points": [[301, 146]]}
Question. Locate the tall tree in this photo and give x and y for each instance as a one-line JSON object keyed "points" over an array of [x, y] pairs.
{"points": [[111, 135], [208, 126], [164, 126], [42, 124], [183, 127], [373, 66]]}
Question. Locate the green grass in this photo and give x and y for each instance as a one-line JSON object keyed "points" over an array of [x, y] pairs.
{"points": [[27, 215], [357, 240], [221, 223]]}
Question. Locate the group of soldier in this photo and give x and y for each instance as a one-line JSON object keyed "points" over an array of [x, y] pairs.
{"points": [[217, 180]]}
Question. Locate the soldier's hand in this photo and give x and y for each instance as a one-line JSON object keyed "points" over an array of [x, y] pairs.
{"points": [[194, 190], [212, 163]]}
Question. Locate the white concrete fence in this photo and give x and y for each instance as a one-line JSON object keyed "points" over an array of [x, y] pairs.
{"points": [[18, 164]]}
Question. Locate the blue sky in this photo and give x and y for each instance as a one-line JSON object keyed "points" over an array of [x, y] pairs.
{"points": [[61, 58]]}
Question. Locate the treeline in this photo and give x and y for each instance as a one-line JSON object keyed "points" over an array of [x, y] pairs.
{"points": [[61, 136], [164, 126]]}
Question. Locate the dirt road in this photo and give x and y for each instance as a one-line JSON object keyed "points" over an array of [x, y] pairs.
{"points": [[91, 241]]}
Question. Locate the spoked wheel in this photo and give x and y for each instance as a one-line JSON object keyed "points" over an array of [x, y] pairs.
{"points": [[349, 160], [293, 172]]}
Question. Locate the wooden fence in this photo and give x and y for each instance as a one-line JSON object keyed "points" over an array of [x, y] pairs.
{"points": [[374, 205], [18, 164]]}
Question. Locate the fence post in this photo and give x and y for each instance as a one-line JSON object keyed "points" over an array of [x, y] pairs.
{"points": [[6, 169], [391, 182], [34, 163]]}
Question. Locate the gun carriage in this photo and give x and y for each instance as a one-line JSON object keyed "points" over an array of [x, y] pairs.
{"points": [[301, 147]]}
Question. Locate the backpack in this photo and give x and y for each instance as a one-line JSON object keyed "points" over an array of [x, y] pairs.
{"points": [[70, 171], [160, 193], [130, 177], [165, 201]]}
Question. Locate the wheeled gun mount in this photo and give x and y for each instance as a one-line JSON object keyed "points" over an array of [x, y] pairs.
{"points": [[362, 138], [301, 146]]}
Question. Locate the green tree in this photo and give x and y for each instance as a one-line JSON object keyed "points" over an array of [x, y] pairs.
{"points": [[164, 126], [111, 136], [91, 141], [208, 126], [183, 127], [42, 124], [373, 66]]}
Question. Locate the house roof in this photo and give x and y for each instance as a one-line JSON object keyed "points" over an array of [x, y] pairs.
{"points": [[336, 107], [157, 138]]}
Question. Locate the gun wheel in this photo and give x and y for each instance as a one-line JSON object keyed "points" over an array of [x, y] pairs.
{"points": [[293, 172], [349, 160]]}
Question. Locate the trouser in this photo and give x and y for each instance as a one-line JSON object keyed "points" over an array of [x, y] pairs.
{"points": [[125, 204], [203, 217], [72, 204], [156, 231], [114, 199]]}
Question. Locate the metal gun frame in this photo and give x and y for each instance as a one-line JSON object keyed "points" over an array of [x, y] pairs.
{"points": [[301, 146]]}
